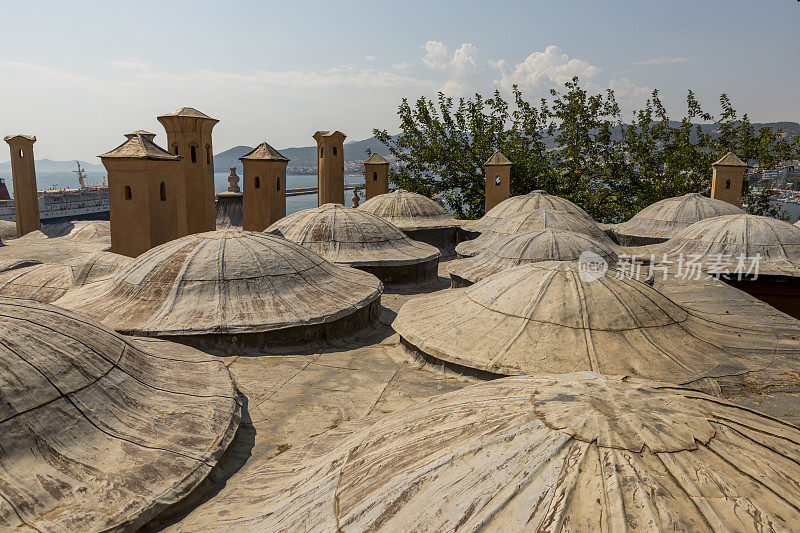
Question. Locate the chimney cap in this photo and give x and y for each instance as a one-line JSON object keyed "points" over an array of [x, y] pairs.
{"points": [[9, 138], [144, 133], [376, 159], [138, 146], [189, 112], [729, 160], [329, 133], [263, 152], [497, 159]]}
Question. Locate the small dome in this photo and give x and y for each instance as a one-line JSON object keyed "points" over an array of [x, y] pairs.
{"points": [[408, 211], [359, 239], [526, 203], [527, 247], [229, 283], [529, 221], [575, 452], [97, 434], [47, 282], [556, 317], [77, 230], [723, 240], [664, 219], [8, 230]]}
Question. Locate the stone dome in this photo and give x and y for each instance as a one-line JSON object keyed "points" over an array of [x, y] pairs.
{"points": [[664, 219], [97, 434], [721, 241], [557, 317], [47, 282], [575, 452], [529, 221], [355, 238], [527, 247], [8, 230], [238, 286], [409, 211], [526, 203], [76, 230]]}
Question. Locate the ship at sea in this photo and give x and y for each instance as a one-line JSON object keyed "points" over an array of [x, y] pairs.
{"points": [[87, 202]]}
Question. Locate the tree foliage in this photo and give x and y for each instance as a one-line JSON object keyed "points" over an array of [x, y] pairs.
{"points": [[574, 144]]}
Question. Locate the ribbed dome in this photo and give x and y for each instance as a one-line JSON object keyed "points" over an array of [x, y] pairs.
{"points": [[347, 236], [408, 210], [47, 282], [526, 203], [664, 219], [95, 433], [225, 282], [552, 317], [722, 240], [79, 231], [575, 452], [529, 221], [528, 247]]}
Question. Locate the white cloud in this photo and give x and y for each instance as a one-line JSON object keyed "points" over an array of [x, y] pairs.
{"points": [[370, 58], [628, 93], [403, 67], [662, 61], [550, 68], [436, 56], [461, 68]]}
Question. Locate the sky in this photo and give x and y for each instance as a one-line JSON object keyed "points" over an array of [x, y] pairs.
{"points": [[79, 75]]}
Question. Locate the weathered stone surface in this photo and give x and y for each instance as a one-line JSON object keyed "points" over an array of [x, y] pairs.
{"points": [[662, 220], [529, 221], [8, 230], [47, 282], [96, 434], [355, 238], [719, 242], [523, 248], [409, 211], [77, 230], [229, 210], [526, 203], [543, 453], [550, 318], [229, 283]]}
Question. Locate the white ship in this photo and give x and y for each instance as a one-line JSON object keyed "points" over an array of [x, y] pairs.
{"points": [[85, 202]]}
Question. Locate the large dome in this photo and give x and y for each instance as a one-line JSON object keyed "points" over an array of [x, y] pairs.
{"points": [[555, 317], [95, 433], [664, 219], [232, 283], [529, 221], [359, 239], [526, 203], [720, 242], [409, 211], [527, 247], [47, 282], [575, 452]]}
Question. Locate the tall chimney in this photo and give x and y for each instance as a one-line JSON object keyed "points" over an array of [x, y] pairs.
{"points": [[376, 174], [264, 173], [727, 179], [498, 179], [23, 172], [330, 167], [189, 135]]}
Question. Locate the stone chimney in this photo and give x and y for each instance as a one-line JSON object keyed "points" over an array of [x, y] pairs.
{"points": [[727, 179], [143, 194], [498, 179], [189, 135], [264, 172], [23, 172], [376, 174], [330, 167]]}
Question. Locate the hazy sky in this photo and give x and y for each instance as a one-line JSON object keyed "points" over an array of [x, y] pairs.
{"points": [[80, 74]]}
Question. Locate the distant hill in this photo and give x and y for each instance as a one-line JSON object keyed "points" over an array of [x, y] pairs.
{"points": [[303, 160]]}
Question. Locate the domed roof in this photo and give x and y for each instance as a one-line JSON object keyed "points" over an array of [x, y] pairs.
{"points": [[665, 218], [529, 221], [8, 230], [352, 237], [557, 317], [409, 211], [526, 203], [225, 282], [575, 452], [97, 434], [721, 241], [77, 230], [47, 282], [529, 247]]}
